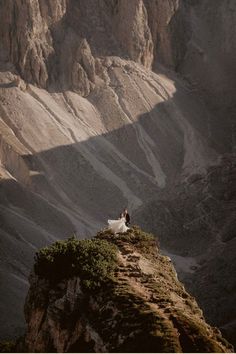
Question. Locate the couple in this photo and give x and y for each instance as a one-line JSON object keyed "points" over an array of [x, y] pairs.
{"points": [[120, 225]]}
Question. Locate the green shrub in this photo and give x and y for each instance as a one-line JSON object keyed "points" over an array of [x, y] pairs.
{"points": [[144, 241], [94, 261]]}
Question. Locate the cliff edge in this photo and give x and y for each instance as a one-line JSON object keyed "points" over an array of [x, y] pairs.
{"points": [[113, 293]]}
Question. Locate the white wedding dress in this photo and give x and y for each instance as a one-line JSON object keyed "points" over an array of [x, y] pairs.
{"points": [[117, 225]]}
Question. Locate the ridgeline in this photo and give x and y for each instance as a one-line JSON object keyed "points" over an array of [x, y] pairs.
{"points": [[112, 293]]}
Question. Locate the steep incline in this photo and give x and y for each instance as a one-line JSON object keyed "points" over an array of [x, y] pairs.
{"points": [[87, 128], [50, 44], [196, 223], [114, 293]]}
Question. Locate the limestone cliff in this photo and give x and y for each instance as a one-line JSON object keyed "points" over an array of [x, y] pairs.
{"points": [[43, 39], [47, 41], [114, 293]]}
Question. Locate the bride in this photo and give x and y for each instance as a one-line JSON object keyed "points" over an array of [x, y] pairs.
{"points": [[117, 225]]}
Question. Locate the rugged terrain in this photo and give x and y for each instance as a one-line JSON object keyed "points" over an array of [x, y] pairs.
{"points": [[106, 104], [122, 298], [200, 213]]}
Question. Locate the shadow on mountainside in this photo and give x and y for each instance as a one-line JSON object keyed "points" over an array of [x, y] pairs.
{"points": [[77, 187], [131, 165]]}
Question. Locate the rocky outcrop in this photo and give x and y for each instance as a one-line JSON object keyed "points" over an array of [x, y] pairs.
{"points": [[43, 40], [130, 27], [26, 39], [83, 70], [143, 307], [170, 29]]}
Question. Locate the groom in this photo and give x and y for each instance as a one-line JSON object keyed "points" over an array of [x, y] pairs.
{"points": [[125, 214]]}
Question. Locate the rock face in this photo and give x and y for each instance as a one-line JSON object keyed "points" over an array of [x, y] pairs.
{"points": [[101, 101], [46, 40], [143, 308], [200, 214], [42, 39], [197, 40]]}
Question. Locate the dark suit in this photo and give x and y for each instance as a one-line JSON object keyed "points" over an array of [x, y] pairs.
{"points": [[127, 218]]}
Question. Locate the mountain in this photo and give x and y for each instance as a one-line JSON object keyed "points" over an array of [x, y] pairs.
{"points": [[196, 227], [113, 293], [106, 104]]}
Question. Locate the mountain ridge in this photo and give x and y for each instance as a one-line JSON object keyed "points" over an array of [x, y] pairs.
{"points": [[104, 290]]}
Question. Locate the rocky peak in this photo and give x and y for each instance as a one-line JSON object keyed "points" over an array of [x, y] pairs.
{"points": [[113, 293], [41, 38], [48, 48], [132, 30]]}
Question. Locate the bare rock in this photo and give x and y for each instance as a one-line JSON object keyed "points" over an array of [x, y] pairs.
{"points": [[167, 22], [27, 41], [79, 79], [131, 29], [84, 56]]}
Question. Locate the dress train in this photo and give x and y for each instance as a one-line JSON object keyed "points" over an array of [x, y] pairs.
{"points": [[117, 226]]}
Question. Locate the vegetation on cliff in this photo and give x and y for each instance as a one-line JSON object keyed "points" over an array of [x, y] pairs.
{"points": [[113, 293], [94, 261]]}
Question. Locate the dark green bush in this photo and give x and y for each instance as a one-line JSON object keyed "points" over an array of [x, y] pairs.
{"points": [[94, 261]]}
